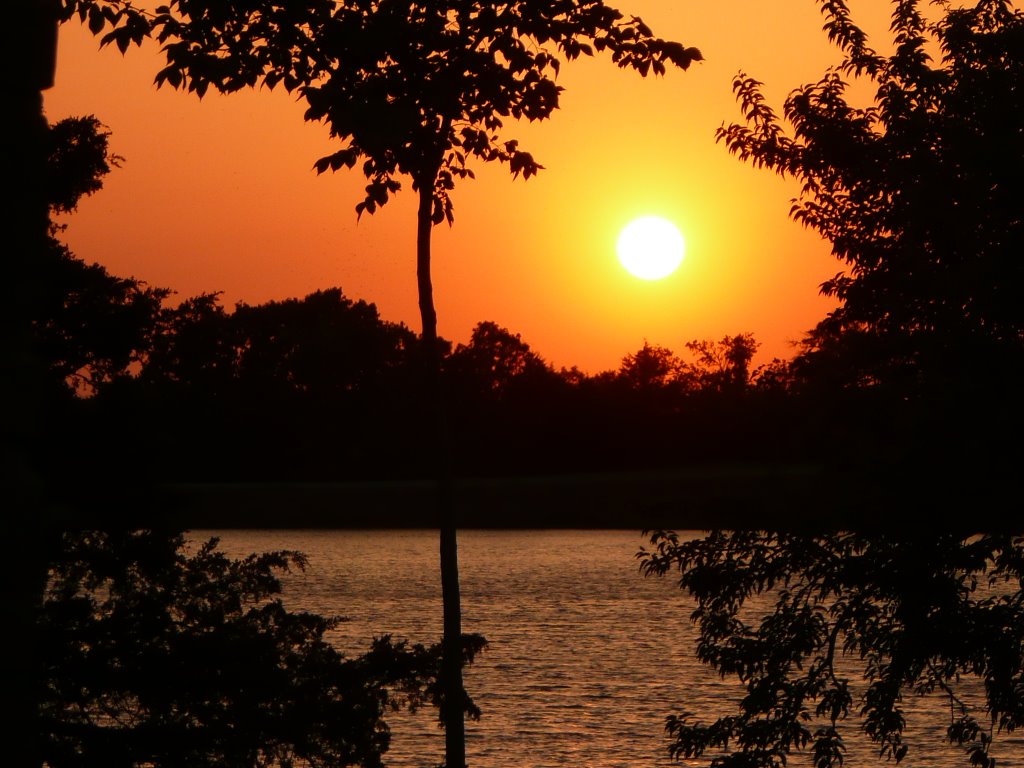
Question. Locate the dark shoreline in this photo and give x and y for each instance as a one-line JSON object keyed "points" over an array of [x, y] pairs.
{"points": [[643, 499], [798, 497]]}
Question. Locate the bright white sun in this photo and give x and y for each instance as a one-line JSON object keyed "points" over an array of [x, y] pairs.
{"points": [[650, 248]]}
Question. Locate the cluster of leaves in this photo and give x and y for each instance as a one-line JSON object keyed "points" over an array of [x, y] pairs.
{"points": [[155, 655], [822, 628], [89, 328], [919, 193], [127, 24], [79, 156], [416, 89]]}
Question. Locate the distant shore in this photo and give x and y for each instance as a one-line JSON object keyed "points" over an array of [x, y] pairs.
{"points": [[691, 498]]}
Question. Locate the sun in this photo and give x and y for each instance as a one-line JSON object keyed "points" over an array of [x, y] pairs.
{"points": [[650, 247]]}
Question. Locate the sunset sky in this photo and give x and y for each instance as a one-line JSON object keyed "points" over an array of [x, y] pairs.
{"points": [[220, 195]]}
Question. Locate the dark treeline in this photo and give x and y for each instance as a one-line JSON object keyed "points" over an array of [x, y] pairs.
{"points": [[322, 389]]}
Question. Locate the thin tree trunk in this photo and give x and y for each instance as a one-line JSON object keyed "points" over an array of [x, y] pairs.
{"points": [[451, 643]]}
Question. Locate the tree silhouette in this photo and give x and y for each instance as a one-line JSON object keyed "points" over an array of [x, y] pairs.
{"points": [[416, 89], [197, 348], [919, 193], [509, 406], [650, 368], [157, 655], [821, 629], [324, 344], [78, 158], [86, 325], [494, 360], [722, 366]]}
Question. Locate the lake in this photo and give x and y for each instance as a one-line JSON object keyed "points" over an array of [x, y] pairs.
{"points": [[586, 657]]}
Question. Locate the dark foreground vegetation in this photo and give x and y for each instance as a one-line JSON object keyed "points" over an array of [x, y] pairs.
{"points": [[835, 635], [832, 633], [152, 653]]}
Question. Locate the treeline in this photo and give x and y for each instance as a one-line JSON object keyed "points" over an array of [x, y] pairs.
{"points": [[123, 383], [323, 388]]}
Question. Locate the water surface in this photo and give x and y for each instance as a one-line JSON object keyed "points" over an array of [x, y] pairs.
{"points": [[586, 657]]}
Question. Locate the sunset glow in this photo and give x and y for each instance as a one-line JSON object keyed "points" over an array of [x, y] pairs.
{"points": [[607, 361], [219, 194]]}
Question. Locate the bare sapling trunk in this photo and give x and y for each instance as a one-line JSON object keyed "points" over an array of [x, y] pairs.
{"points": [[452, 690]]}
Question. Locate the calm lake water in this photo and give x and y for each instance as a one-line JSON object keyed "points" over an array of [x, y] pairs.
{"points": [[586, 657]]}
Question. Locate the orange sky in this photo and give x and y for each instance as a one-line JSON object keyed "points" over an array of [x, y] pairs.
{"points": [[220, 194]]}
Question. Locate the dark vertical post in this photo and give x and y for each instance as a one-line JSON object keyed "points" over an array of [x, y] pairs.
{"points": [[28, 49], [452, 689]]}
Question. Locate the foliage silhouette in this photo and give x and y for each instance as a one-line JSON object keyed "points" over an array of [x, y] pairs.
{"points": [[823, 628], [495, 361], [324, 342], [87, 327], [321, 388], [419, 89], [717, 366], [321, 345], [722, 366], [197, 348], [160, 656], [651, 367], [333, 386], [508, 405], [919, 193], [416, 89], [78, 157]]}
